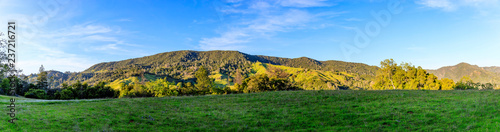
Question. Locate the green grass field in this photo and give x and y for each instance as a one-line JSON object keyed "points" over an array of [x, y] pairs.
{"points": [[269, 111]]}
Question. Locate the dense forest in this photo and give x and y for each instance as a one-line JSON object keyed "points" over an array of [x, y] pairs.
{"points": [[226, 72]]}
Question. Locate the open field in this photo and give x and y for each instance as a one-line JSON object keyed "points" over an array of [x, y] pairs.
{"points": [[269, 111]]}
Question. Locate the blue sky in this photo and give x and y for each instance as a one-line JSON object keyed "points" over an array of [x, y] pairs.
{"points": [[74, 35]]}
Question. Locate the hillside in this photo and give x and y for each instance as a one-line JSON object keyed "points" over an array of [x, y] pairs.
{"points": [[179, 66], [492, 69], [476, 73], [209, 58]]}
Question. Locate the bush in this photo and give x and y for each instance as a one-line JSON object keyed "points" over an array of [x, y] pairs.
{"points": [[5, 86], [261, 83], [217, 90], [465, 86], [35, 93], [66, 94], [187, 89], [106, 91], [487, 86]]}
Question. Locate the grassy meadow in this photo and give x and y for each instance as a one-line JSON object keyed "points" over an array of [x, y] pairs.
{"points": [[344, 110]]}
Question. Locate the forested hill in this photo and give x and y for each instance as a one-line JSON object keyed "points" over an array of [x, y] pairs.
{"points": [[224, 66], [476, 73], [234, 59], [227, 68]]}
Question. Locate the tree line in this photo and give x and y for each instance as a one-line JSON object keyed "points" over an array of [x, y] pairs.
{"points": [[405, 76], [390, 76], [158, 88]]}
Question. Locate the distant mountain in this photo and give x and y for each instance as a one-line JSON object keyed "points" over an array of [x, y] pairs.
{"points": [[55, 77], [209, 58], [476, 73], [492, 69], [180, 66]]}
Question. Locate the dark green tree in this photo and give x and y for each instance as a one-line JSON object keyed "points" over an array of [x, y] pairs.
{"points": [[42, 79], [203, 82], [5, 86]]}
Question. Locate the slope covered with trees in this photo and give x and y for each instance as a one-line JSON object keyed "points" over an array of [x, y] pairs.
{"points": [[179, 66]]}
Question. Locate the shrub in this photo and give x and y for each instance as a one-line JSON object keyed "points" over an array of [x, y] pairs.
{"points": [[35, 93], [261, 83], [465, 86], [66, 94]]}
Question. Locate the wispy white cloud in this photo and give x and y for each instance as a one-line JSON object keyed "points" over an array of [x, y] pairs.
{"points": [[66, 48], [353, 19], [62, 49], [280, 23], [229, 40], [233, 1], [101, 38], [303, 3], [80, 30], [443, 4], [263, 19], [107, 47], [38, 51], [452, 5], [124, 20]]}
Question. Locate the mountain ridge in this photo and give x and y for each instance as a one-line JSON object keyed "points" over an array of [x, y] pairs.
{"points": [[476, 73], [226, 54], [180, 66]]}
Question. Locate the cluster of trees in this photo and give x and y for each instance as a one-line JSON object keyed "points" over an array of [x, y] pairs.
{"points": [[42, 88], [262, 82], [205, 85], [162, 87], [78, 90], [405, 76], [74, 91], [277, 80], [466, 83]]}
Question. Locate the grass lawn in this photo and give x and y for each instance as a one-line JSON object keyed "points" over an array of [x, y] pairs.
{"points": [[269, 111]]}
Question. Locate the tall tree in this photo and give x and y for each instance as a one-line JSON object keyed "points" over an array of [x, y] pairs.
{"points": [[42, 78], [203, 82], [4, 68], [385, 74]]}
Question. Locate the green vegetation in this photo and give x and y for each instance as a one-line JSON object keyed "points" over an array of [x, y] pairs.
{"points": [[466, 83], [203, 84], [323, 110], [179, 66], [253, 77], [405, 76], [137, 81]]}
